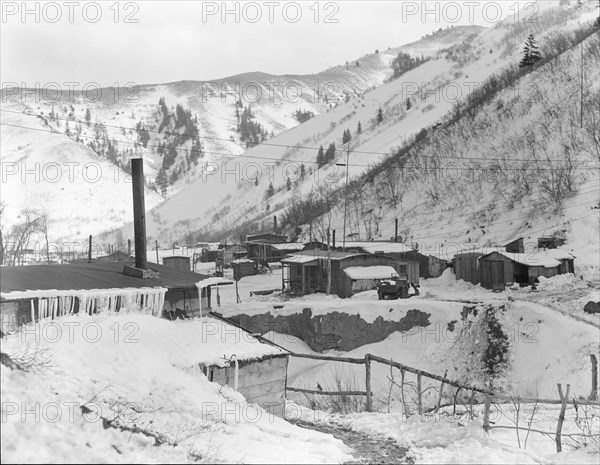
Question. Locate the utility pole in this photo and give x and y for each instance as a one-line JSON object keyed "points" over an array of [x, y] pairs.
{"points": [[156, 247], [581, 86], [328, 263], [346, 198]]}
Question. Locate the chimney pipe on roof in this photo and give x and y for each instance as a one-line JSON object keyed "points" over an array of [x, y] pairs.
{"points": [[139, 212]]}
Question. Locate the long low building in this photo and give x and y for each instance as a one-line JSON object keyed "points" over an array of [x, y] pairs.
{"points": [[430, 265], [226, 354], [306, 272]]}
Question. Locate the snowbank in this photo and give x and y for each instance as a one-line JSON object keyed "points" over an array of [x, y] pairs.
{"points": [[129, 371]]}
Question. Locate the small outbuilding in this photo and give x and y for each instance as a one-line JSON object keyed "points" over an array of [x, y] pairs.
{"points": [[499, 269], [177, 262], [232, 252]]}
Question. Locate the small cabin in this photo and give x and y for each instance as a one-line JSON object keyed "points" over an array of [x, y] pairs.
{"points": [[177, 262], [232, 252], [499, 269], [243, 267]]}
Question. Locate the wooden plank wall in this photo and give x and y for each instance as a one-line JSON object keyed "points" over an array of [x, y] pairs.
{"points": [[465, 268], [262, 382]]}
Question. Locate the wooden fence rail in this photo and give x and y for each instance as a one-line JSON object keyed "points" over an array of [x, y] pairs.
{"points": [[488, 393]]}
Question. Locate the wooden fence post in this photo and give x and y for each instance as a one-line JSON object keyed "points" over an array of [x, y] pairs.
{"points": [[486, 409], [402, 373], [368, 382], [439, 402], [594, 393], [471, 405], [454, 403], [419, 394], [561, 416]]}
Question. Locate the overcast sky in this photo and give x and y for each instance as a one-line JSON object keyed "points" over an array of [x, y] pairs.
{"points": [[163, 41]]}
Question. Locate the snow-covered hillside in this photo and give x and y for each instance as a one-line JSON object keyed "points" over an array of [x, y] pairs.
{"points": [[196, 126], [454, 182]]}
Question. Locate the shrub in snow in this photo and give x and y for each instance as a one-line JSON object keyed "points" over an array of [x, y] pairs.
{"points": [[476, 349]]}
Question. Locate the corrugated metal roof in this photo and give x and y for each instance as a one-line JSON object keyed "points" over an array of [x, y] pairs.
{"points": [[95, 275]]}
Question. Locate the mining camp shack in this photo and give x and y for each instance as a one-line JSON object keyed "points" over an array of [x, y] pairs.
{"points": [[500, 269], [47, 292], [429, 266], [177, 262], [266, 237], [243, 267], [271, 252], [550, 242], [465, 261], [232, 252], [29, 293], [306, 272], [261, 369]]}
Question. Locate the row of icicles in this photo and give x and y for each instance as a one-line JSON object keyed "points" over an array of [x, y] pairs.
{"points": [[146, 301]]}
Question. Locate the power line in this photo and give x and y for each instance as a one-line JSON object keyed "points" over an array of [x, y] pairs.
{"points": [[270, 144], [495, 210], [256, 157], [497, 222]]}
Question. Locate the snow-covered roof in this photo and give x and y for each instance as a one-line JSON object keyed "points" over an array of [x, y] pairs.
{"points": [[457, 249], [559, 254], [370, 272], [214, 281], [546, 258], [385, 247], [241, 260], [288, 246], [299, 259]]}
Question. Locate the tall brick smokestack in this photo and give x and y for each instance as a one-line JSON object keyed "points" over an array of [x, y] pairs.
{"points": [[139, 212]]}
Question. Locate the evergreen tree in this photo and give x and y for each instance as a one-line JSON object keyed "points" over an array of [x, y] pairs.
{"points": [[270, 190], [88, 117], [302, 171], [161, 181], [321, 157], [531, 52], [346, 137], [288, 184], [379, 115], [358, 128], [330, 154], [408, 104]]}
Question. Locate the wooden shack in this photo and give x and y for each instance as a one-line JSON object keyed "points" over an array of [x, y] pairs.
{"points": [[232, 252], [550, 242], [306, 272], [271, 252], [177, 262], [429, 266], [266, 237], [30, 293], [243, 267], [499, 269], [466, 266]]}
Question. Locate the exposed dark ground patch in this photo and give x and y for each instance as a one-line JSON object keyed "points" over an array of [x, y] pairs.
{"points": [[366, 448]]}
